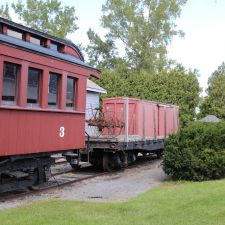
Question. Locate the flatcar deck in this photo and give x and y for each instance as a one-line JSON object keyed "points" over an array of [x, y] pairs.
{"points": [[119, 144]]}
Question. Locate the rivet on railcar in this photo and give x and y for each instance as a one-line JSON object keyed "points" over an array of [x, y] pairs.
{"points": [[42, 103]]}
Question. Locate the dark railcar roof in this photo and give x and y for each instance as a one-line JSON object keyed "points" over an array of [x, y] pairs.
{"points": [[42, 50], [42, 34]]}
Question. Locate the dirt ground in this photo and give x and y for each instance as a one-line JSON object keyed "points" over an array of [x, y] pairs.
{"points": [[116, 187], [119, 186]]}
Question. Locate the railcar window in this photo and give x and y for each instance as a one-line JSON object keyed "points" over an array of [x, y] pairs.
{"points": [[36, 41], [11, 74], [53, 90], [14, 34], [33, 87], [54, 46], [70, 92]]}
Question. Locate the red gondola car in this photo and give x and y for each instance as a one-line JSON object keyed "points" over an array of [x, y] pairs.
{"points": [[128, 127], [42, 102]]}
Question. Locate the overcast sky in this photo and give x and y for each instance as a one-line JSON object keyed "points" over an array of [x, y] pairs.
{"points": [[203, 22]]}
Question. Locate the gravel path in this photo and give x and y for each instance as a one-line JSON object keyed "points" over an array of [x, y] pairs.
{"points": [[120, 186], [117, 187]]}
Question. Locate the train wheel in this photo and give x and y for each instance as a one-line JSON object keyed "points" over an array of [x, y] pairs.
{"points": [[106, 163], [124, 159], [111, 162], [34, 177], [134, 157]]}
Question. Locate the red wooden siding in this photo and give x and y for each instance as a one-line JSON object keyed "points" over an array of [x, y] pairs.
{"points": [[25, 132], [24, 129], [146, 119]]}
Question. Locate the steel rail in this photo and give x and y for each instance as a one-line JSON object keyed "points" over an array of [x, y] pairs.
{"points": [[140, 162], [47, 188]]}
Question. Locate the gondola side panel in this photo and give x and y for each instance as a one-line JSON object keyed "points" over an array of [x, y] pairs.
{"points": [[161, 121], [170, 125]]}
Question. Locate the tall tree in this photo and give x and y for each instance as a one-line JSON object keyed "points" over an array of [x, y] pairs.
{"points": [[48, 16], [101, 53], [214, 102], [145, 27], [4, 11]]}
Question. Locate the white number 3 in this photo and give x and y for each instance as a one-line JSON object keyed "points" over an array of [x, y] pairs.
{"points": [[62, 132]]}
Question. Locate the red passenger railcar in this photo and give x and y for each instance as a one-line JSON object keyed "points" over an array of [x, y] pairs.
{"points": [[42, 102]]}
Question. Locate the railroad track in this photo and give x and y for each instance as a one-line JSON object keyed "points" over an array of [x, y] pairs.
{"points": [[53, 186], [66, 178]]}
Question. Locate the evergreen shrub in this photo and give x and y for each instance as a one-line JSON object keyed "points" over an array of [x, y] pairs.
{"points": [[196, 153]]}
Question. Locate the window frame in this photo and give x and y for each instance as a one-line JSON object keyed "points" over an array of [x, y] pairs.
{"points": [[14, 33], [34, 39], [75, 81], [38, 104], [59, 80], [16, 87], [54, 46]]}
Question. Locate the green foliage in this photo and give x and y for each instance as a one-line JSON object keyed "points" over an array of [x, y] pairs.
{"points": [[48, 16], [175, 86], [196, 153], [214, 102], [4, 11], [178, 87], [103, 54], [144, 27], [115, 84]]}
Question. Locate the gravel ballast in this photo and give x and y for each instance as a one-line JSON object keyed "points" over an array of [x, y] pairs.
{"points": [[116, 187]]}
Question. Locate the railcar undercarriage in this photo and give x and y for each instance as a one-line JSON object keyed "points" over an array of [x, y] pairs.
{"points": [[113, 154], [21, 172]]}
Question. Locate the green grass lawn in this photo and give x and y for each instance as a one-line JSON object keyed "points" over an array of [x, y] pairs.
{"points": [[171, 204]]}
